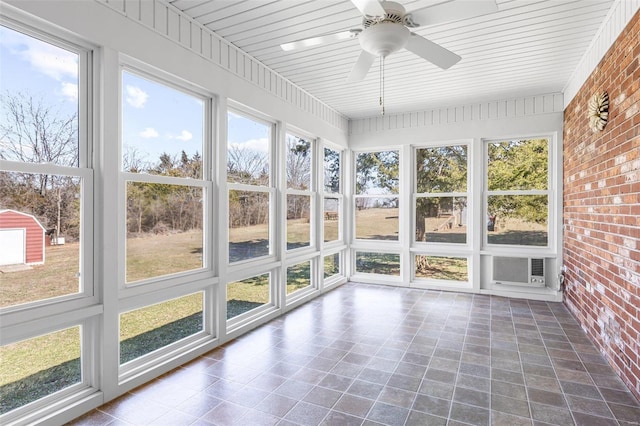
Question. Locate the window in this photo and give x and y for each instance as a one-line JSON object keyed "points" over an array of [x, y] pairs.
{"points": [[299, 160], [378, 263], [332, 265], [441, 194], [517, 192], [248, 294], [45, 179], [332, 207], [449, 268], [35, 368], [148, 329], [251, 192], [299, 277], [376, 195], [46, 220], [163, 130]]}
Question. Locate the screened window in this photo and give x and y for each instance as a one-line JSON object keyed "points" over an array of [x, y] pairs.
{"points": [[46, 202], [248, 294], [45, 179], [163, 131], [299, 277], [332, 170], [376, 196], [332, 265], [441, 194], [148, 329], [378, 263], [299, 160], [517, 192], [332, 207], [251, 193], [38, 367], [449, 268]]}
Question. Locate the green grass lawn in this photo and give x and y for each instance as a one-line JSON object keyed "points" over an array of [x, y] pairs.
{"points": [[442, 268]]}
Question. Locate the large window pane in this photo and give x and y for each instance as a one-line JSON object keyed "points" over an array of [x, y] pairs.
{"points": [[34, 368], [441, 268], [441, 169], [39, 101], [298, 163], [377, 218], [298, 221], [164, 229], [39, 237], [147, 329], [298, 277], [247, 150], [517, 220], [248, 225], [162, 129], [331, 170], [377, 172], [331, 265], [331, 219], [378, 263], [441, 219], [518, 165], [248, 294]]}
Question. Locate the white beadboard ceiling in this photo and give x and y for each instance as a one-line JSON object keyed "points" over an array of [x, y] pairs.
{"points": [[528, 47]]}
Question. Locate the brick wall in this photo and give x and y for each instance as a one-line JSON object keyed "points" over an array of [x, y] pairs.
{"points": [[602, 209]]}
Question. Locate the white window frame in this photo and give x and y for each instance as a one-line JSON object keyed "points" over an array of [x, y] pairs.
{"points": [[311, 193], [362, 242], [333, 195], [549, 193], [240, 110], [239, 321], [465, 247], [40, 317], [205, 183]]}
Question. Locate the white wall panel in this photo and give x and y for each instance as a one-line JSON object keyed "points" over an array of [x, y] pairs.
{"points": [[617, 18]]}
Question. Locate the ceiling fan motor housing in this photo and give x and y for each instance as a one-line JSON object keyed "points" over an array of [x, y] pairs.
{"points": [[386, 34]]}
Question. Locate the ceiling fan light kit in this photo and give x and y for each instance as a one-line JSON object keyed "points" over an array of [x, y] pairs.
{"points": [[384, 38]]}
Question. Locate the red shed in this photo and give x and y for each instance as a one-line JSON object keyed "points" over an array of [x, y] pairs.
{"points": [[21, 238]]}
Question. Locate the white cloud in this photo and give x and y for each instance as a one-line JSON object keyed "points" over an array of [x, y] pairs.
{"points": [[136, 97], [259, 145], [185, 135], [149, 133], [70, 91]]}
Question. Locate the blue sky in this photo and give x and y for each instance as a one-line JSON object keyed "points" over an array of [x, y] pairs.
{"points": [[247, 133], [155, 118], [31, 66]]}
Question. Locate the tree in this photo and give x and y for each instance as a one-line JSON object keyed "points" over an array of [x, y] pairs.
{"points": [[34, 132], [331, 170], [519, 165], [438, 170], [377, 171]]}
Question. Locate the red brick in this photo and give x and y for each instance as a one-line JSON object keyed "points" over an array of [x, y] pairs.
{"points": [[603, 224]]}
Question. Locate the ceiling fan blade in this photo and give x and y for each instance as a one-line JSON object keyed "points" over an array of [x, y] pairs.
{"points": [[361, 67], [452, 11], [369, 7], [431, 51], [316, 41]]}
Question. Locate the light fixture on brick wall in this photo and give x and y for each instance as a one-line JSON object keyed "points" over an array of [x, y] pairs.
{"points": [[598, 111]]}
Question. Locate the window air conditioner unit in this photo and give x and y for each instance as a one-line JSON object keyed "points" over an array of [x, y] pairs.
{"points": [[521, 271]]}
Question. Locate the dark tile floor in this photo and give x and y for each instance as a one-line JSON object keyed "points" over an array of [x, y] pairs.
{"points": [[364, 354]]}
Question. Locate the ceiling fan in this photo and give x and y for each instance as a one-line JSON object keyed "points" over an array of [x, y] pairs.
{"points": [[386, 29]]}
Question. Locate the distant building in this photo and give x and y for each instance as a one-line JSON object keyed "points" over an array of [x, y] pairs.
{"points": [[22, 238]]}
